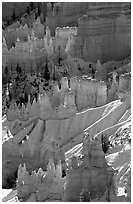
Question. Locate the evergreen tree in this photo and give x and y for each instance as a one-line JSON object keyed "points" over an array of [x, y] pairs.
{"points": [[6, 71], [28, 10], [8, 22], [31, 6], [54, 74], [39, 8], [46, 73], [3, 79], [17, 68], [14, 15], [52, 5]]}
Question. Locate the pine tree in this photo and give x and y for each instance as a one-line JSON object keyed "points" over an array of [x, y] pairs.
{"points": [[39, 8], [13, 15], [28, 10], [6, 71], [31, 6], [46, 73], [17, 69]]}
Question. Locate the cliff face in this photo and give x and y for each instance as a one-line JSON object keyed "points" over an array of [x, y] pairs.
{"points": [[42, 140], [23, 31], [105, 32], [103, 28], [64, 14]]}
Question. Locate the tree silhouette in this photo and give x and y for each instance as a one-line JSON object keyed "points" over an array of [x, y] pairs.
{"points": [[14, 15], [18, 69], [39, 8], [28, 10], [46, 73], [6, 71], [31, 6]]}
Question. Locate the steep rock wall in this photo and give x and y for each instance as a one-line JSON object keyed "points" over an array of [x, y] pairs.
{"points": [[64, 14], [104, 32]]}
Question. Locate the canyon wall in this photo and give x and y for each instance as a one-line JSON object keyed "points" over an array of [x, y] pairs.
{"points": [[103, 28], [64, 14], [104, 33], [23, 31], [33, 138]]}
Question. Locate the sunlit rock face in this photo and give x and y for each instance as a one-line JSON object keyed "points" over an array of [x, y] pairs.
{"points": [[93, 176], [23, 31], [87, 92], [45, 185], [60, 42]]}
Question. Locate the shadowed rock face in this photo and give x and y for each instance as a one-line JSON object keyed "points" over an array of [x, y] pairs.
{"points": [[16, 9], [105, 36], [64, 14], [103, 28], [9, 7]]}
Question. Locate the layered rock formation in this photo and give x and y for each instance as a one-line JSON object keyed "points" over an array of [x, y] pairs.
{"points": [[43, 185], [102, 35], [23, 31], [8, 8], [93, 176], [64, 14], [34, 141], [66, 100], [89, 94]]}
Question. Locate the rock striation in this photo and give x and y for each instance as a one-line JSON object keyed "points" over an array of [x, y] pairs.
{"points": [[43, 185], [102, 35], [64, 102], [34, 141], [64, 14], [91, 179], [23, 31], [63, 91]]}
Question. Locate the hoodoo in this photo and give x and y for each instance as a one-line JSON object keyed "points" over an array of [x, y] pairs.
{"points": [[66, 102]]}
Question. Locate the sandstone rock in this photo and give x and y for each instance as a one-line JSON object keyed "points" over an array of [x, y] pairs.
{"points": [[32, 198], [101, 41], [94, 178], [124, 82], [64, 14], [40, 186]]}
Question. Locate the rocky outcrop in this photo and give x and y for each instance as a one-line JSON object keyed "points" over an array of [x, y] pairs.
{"points": [[40, 186], [31, 54], [91, 179], [64, 102], [28, 55], [34, 141], [23, 31]]}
